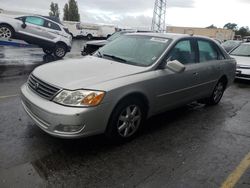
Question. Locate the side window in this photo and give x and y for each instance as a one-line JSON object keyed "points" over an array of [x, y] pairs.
{"points": [[35, 20], [207, 51], [52, 25], [183, 52]]}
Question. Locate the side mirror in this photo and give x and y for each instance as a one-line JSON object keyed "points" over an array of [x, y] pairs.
{"points": [[175, 66], [23, 24]]}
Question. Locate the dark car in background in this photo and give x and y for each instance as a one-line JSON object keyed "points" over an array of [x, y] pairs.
{"points": [[92, 46]]}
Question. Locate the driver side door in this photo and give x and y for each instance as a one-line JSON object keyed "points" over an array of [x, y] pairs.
{"points": [[34, 28], [174, 89]]}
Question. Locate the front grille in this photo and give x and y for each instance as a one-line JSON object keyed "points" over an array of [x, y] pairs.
{"points": [[41, 88]]}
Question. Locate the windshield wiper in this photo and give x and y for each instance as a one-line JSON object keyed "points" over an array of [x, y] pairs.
{"points": [[99, 54], [115, 57]]}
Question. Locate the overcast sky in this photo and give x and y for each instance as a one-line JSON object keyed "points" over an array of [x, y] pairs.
{"points": [[138, 13]]}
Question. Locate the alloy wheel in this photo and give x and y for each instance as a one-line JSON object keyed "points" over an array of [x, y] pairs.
{"points": [[60, 52], [5, 32], [218, 92], [129, 121]]}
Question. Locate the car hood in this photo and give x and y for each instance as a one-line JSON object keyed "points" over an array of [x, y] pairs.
{"points": [[84, 72], [98, 42], [242, 60]]}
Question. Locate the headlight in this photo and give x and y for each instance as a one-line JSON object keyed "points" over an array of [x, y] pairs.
{"points": [[79, 98]]}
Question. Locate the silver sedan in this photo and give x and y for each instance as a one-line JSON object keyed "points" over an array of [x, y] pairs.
{"points": [[242, 55], [127, 81]]}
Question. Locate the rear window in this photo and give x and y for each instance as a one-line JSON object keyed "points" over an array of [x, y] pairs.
{"points": [[52, 25], [67, 30]]}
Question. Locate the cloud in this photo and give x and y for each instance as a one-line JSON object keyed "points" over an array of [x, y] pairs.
{"points": [[129, 12]]}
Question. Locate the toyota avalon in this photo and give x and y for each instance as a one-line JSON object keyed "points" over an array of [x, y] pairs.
{"points": [[124, 83]]}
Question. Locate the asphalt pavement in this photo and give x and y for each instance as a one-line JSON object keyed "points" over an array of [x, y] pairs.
{"points": [[16, 61], [193, 146]]}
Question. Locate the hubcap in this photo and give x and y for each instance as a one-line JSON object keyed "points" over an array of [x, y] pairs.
{"points": [[5, 32], [218, 92], [129, 121], [60, 52]]}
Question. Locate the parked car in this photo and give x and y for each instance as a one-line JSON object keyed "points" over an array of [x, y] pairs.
{"points": [[125, 82], [246, 39], [78, 29], [242, 56], [92, 46], [230, 44], [45, 32]]}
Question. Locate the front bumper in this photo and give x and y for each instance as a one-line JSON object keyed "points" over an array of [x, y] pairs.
{"points": [[243, 73], [54, 119]]}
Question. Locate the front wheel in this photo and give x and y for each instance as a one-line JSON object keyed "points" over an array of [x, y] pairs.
{"points": [[6, 32], [126, 120], [60, 51]]}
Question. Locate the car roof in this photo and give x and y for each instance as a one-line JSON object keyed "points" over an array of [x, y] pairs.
{"points": [[174, 36]]}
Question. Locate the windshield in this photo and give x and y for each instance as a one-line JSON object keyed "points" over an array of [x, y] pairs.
{"points": [[231, 43], [242, 50], [114, 36], [134, 50]]}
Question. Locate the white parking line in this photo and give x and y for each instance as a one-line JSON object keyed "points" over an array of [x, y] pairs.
{"points": [[8, 96]]}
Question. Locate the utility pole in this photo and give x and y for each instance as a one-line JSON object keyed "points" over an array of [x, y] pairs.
{"points": [[159, 16]]}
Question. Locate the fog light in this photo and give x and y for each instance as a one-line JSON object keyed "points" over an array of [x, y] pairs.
{"points": [[69, 128]]}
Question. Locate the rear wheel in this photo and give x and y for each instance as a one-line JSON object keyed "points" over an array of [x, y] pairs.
{"points": [[217, 93], [60, 51], [6, 32], [126, 120]]}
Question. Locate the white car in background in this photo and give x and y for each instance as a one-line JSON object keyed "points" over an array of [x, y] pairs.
{"points": [[47, 33], [242, 56]]}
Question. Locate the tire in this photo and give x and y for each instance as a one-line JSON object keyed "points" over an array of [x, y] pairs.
{"points": [[89, 36], [126, 120], [60, 51], [217, 94], [6, 31], [47, 51]]}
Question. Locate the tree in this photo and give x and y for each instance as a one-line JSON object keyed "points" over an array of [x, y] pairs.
{"points": [[211, 27], [243, 31], [66, 12], [71, 12], [232, 26], [54, 10]]}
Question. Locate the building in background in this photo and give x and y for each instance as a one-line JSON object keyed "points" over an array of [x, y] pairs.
{"points": [[216, 33]]}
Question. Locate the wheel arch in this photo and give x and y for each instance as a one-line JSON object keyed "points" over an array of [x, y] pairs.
{"points": [[62, 43], [138, 95], [224, 79], [7, 24]]}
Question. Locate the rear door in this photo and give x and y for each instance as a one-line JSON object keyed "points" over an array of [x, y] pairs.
{"points": [[210, 65]]}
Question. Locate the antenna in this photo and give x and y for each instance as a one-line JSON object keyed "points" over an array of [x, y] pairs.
{"points": [[159, 16]]}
